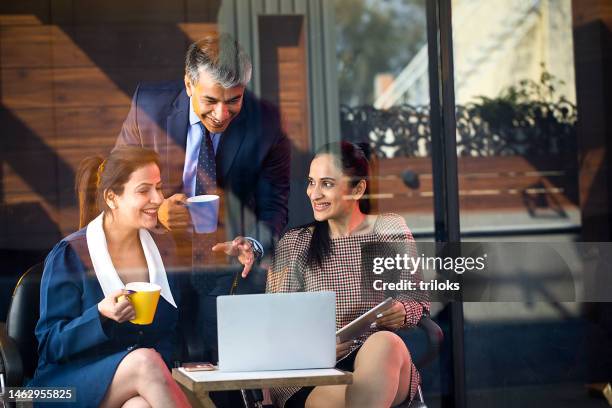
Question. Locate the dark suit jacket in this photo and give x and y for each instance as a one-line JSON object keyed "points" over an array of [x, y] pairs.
{"points": [[253, 157]]}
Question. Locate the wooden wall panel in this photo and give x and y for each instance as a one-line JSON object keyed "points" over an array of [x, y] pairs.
{"points": [[200, 11], [77, 127], [98, 127], [283, 57], [26, 88], [20, 125], [25, 12], [137, 46], [485, 183], [196, 31], [134, 45], [128, 12], [67, 73], [28, 46], [30, 178], [284, 77], [78, 87]]}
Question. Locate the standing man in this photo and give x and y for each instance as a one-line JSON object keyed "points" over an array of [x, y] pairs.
{"points": [[216, 138]]}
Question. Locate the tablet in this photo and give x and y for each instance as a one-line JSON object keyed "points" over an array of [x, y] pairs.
{"points": [[361, 324]]}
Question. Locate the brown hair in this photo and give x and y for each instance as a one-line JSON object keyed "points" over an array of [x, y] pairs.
{"points": [[96, 175]]}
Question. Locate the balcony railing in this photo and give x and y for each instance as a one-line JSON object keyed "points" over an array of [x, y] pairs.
{"points": [[490, 128]]}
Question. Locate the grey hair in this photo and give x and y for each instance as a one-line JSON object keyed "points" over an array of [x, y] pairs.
{"points": [[222, 57]]}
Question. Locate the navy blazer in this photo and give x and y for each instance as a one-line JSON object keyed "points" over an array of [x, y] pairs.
{"points": [[76, 346], [253, 157]]}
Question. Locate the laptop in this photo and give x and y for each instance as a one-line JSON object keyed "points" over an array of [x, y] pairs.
{"points": [[277, 331]]}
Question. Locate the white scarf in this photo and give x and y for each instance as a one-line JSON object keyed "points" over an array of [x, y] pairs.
{"points": [[105, 270]]}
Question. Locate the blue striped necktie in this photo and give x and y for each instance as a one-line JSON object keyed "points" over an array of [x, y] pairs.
{"points": [[206, 183], [206, 175]]}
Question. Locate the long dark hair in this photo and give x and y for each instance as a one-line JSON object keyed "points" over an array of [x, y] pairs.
{"points": [[96, 175], [351, 159]]}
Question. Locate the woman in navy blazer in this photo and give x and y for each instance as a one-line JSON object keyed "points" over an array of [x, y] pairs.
{"points": [[85, 338]]}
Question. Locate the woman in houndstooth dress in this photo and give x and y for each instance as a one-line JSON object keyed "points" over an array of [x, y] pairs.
{"points": [[326, 255]]}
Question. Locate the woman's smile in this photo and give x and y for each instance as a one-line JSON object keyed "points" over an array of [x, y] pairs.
{"points": [[151, 212], [320, 206]]}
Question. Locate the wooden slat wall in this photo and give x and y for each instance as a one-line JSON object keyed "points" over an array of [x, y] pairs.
{"points": [[485, 183], [67, 73], [284, 76], [68, 70]]}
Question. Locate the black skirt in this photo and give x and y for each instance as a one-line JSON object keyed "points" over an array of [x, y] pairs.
{"points": [[298, 400]]}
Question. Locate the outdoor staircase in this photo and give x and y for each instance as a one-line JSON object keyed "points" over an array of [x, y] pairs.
{"points": [[483, 32]]}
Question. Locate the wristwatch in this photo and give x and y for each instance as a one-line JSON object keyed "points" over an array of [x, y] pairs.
{"points": [[256, 247]]}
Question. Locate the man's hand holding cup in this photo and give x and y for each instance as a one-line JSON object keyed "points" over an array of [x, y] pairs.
{"points": [[173, 213]]}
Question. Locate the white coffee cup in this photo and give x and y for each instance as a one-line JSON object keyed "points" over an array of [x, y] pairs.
{"points": [[204, 210]]}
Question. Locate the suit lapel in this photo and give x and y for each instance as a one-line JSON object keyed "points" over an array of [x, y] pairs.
{"points": [[231, 140], [230, 143], [176, 141]]}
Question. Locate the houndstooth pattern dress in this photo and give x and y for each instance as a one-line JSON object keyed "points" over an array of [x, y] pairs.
{"points": [[341, 273]]}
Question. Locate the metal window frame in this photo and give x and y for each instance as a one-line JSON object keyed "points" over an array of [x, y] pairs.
{"points": [[445, 179]]}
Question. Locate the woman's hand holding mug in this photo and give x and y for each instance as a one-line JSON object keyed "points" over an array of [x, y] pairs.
{"points": [[117, 306]]}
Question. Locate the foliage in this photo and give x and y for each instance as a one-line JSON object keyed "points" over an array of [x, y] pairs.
{"points": [[523, 104], [528, 119], [372, 37]]}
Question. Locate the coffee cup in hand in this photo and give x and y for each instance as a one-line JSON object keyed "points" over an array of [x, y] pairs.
{"points": [[144, 298], [204, 211]]}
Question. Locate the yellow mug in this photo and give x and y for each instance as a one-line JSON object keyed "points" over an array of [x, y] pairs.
{"points": [[144, 299]]}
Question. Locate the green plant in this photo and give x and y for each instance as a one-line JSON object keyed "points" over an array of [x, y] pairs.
{"points": [[523, 104]]}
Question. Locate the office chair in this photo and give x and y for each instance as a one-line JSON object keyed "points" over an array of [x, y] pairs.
{"points": [[18, 345], [434, 340]]}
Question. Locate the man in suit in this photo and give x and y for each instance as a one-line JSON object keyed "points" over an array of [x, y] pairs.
{"points": [[216, 138]]}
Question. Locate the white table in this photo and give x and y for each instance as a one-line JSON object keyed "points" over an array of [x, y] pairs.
{"points": [[197, 384]]}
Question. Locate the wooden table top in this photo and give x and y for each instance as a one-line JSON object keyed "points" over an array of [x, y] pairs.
{"points": [[205, 381]]}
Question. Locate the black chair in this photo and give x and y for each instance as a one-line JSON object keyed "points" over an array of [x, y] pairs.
{"points": [[18, 345], [435, 336]]}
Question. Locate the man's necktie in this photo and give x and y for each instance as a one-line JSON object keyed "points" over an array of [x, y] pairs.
{"points": [[206, 183], [206, 175]]}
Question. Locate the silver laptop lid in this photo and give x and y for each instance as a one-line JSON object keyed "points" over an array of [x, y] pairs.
{"points": [[279, 331]]}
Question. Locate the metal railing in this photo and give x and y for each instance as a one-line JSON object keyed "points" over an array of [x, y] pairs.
{"points": [[491, 128]]}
